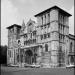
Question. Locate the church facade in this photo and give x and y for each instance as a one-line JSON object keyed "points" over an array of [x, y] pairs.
{"points": [[46, 43]]}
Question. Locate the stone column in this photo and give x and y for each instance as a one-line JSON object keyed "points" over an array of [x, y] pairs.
{"points": [[69, 60], [19, 55], [14, 56], [23, 57]]}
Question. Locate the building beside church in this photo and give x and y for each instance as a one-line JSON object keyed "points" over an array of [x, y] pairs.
{"points": [[47, 42]]}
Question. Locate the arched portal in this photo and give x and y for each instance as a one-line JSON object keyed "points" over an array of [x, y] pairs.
{"points": [[28, 56]]}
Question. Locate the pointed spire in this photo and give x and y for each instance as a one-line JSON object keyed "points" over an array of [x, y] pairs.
{"points": [[23, 24]]}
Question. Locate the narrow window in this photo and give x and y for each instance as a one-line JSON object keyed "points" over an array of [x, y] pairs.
{"points": [[41, 37], [24, 42], [45, 19], [46, 47], [48, 35], [34, 33], [44, 36], [48, 17], [42, 20], [71, 47], [63, 29]]}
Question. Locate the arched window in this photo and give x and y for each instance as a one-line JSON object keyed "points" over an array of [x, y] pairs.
{"points": [[46, 47], [71, 47]]}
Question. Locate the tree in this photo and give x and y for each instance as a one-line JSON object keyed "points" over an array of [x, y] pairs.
{"points": [[3, 52]]}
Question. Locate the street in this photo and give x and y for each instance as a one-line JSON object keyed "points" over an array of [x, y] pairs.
{"points": [[36, 71]]}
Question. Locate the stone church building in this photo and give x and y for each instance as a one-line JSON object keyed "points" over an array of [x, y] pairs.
{"points": [[46, 43]]}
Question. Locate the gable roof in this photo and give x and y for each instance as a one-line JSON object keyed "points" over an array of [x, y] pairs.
{"points": [[54, 7], [13, 26]]}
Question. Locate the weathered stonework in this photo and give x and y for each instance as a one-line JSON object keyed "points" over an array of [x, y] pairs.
{"points": [[45, 43]]}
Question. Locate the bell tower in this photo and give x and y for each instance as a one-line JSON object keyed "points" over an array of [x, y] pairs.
{"points": [[53, 29], [13, 35]]}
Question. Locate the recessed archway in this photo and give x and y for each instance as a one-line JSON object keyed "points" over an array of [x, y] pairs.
{"points": [[28, 56]]}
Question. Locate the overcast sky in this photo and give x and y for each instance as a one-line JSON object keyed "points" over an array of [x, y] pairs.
{"points": [[14, 11]]}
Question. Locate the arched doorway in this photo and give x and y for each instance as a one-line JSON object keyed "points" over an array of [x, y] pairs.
{"points": [[28, 56]]}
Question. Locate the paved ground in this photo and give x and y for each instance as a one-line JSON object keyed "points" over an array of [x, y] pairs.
{"points": [[36, 71]]}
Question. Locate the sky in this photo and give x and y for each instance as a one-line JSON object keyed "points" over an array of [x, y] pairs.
{"points": [[15, 11]]}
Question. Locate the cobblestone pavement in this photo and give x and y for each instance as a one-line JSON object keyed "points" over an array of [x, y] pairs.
{"points": [[36, 71]]}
